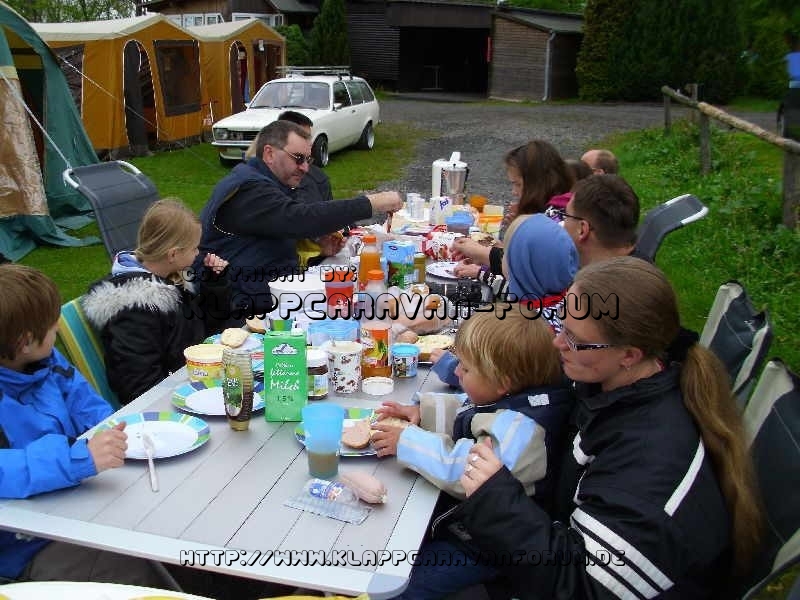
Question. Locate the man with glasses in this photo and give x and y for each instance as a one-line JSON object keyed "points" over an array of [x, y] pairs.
{"points": [[601, 218], [254, 217]]}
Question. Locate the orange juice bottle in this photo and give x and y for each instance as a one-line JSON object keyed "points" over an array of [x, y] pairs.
{"points": [[376, 329], [370, 259]]}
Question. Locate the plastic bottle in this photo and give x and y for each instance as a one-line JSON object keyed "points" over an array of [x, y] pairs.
{"points": [[237, 387], [332, 491], [376, 329], [370, 259]]}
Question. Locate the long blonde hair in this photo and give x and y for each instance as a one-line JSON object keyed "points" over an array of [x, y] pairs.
{"points": [[511, 350], [648, 319], [167, 224]]}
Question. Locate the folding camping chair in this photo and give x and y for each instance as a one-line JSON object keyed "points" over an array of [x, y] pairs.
{"points": [[739, 336], [85, 351], [666, 218], [772, 428], [119, 194]]}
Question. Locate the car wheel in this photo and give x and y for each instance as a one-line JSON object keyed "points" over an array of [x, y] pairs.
{"points": [[367, 140], [228, 162], [320, 151]]}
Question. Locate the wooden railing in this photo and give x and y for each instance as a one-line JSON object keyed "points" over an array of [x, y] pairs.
{"points": [[791, 148]]}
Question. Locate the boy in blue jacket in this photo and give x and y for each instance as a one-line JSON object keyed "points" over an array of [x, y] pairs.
{"points": [[45, 404]]}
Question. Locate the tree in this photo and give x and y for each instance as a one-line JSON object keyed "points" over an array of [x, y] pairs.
{"points": [[329, 40], [61, 11], [297, 48]]}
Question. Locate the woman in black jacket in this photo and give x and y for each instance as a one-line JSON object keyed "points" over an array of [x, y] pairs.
{"points": [[150, 308], [655, 497]]}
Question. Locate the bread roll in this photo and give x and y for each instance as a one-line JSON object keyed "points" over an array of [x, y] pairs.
{"points": [[357, 435], [233, 337]]}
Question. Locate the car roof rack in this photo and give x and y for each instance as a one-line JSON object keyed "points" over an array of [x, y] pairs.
{"points": [[336, 70]]}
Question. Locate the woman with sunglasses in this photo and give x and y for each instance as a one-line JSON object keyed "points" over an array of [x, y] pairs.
{"points": [[538, 177], [656, 494]]}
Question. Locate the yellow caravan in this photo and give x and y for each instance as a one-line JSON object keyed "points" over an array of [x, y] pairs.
{"points": [[136, 81], [236, 59]]}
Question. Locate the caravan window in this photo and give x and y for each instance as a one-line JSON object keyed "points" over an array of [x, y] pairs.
{"points": [[179, 71]]}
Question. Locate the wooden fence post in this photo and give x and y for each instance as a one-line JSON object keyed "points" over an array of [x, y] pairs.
{"points": [[705, 144], [791, 189], [692, 88], [667, 114]]}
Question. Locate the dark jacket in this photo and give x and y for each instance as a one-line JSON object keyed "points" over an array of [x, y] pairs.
{"points": [[146, 322], [638, 513], [254, 222]]}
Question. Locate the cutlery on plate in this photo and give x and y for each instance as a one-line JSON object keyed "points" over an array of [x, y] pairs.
{"points": [[149, 450]]}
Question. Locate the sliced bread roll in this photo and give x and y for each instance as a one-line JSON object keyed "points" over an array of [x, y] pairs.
{"points": [[357, 435]]}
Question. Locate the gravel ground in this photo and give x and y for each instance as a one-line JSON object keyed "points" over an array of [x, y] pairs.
{"points": [[484, 132]]}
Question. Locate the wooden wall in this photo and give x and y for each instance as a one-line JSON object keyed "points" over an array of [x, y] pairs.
{"points": [[374, 45], [517, 67]]}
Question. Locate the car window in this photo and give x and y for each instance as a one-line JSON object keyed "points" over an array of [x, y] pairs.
{"points": [[355, 91], [318, 95], [366, 92], [340, 94]]}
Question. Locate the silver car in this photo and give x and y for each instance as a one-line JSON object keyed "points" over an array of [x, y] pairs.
{"points": [[343, 108]]}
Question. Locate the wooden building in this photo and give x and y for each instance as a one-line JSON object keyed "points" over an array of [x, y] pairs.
{"points": [[534, 54], [192, 13]]}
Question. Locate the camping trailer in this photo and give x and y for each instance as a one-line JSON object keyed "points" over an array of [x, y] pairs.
{"points": [[237, 58], [136, 81]]}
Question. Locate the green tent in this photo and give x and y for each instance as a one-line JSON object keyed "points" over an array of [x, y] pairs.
{"points": [[42, 135]]}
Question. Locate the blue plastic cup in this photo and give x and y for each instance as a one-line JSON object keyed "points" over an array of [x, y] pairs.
{"points": [[405, 359], [322, 427]]}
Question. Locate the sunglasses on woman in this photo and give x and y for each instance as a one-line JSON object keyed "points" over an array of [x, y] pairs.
{"points": [[576, 346]]}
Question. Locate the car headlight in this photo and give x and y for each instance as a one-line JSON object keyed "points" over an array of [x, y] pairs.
{"points": [[221, 134]]}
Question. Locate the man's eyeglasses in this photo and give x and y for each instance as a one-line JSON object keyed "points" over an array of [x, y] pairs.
{"points": [[299, 159], [560, 214], [577, 346]]}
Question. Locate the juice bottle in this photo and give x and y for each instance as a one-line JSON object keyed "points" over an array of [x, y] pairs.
{"points": [[376, 328], [370, 259]]}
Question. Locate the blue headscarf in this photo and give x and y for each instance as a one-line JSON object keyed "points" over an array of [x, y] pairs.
{"points": [[542, 259]]}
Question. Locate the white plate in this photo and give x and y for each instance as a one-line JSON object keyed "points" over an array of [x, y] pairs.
{"points": [[172, 433], [442, 269], [254, 341], [195, 397]]}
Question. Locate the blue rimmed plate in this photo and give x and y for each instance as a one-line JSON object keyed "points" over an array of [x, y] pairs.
{"points": [[351, 415], [197, 398], [173, 433]]}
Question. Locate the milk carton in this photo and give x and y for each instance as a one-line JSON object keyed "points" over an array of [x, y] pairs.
{"points": [[285, 375]]}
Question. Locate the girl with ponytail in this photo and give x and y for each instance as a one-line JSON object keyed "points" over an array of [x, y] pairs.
{"points": [[656, 496]]}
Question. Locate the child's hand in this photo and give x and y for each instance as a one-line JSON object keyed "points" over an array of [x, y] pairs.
{"points": [[215, 263], [385, 438], [481, 465], [436, 354], [402, 411], [108, 448]]}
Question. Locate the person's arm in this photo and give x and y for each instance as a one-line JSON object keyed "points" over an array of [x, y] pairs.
{"points": [[445, 368], [135, 353], [85, 406], [435, 456], [46, 464]]}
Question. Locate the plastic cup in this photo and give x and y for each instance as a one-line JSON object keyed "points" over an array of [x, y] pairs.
{"points": [[405, 359], [322, 426], [340, 330], [459, 222], [344, 366], [339, 287]]}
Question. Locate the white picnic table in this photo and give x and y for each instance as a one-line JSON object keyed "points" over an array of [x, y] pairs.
{"points": [[220, 507]]}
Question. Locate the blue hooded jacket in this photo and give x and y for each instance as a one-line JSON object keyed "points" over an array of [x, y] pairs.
{"points": [[42, 412]]}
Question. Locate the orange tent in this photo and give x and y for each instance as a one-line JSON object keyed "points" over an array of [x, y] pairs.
{"points": [[136, 81], [237, 58]]}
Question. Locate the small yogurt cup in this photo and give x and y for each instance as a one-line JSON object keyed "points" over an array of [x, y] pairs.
{"points": [[377, 386]]}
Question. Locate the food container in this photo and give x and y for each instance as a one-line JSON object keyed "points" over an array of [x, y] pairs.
{"points": [[405, 358], [377, 386], [204, 364]]}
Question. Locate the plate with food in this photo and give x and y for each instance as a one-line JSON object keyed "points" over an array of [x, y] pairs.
{"points": [[355, 433], [443, 269], [172, 433], [200, 399], [235, 337], [426, 343]]}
